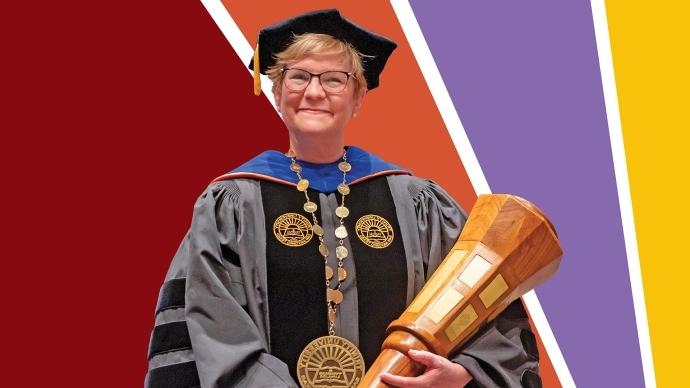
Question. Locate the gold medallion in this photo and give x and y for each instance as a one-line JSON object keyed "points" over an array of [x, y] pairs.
{"points": [[335, 296], [374, 231], [344, 166], [340, 252], [302, 185], [342, 211], [310, 207], [329, 362], [340, 232], [323, 249], [343, 189], [292, 229]]}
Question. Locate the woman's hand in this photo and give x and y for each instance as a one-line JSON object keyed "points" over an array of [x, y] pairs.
{"points": [[439, 373]]}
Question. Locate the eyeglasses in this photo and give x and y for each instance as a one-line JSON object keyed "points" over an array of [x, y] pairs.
{"points": [[297, 80]]}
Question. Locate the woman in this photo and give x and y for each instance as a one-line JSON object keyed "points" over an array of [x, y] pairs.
{"points": [[325, 244]]}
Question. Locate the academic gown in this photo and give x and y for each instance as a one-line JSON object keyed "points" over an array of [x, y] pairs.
{"points": [[238, 306]]}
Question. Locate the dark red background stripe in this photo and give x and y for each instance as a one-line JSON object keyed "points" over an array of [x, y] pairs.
{"points": [[115, 117]]}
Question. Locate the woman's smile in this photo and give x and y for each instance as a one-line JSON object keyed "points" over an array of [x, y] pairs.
{"points": [[314, 111]]}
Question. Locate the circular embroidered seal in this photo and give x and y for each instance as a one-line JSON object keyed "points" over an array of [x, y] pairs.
{"points": [[292, 229], [329, 362], [374, 231]]}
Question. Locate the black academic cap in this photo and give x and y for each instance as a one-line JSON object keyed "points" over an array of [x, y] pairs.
{"points": [[277, 37]]}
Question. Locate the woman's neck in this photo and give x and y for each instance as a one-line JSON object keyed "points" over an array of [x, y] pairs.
{"points": [[317, 150]]}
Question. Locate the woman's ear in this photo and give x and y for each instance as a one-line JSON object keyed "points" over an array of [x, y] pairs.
{"points": [[359, 99]]}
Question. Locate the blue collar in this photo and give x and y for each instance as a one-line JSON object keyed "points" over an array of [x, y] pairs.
{"points": [[275, 166]]}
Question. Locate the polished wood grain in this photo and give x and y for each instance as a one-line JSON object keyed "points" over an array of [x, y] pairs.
{"points": [[506, 248]]}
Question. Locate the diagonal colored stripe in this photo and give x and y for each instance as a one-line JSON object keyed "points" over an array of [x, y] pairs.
{"points": [[623, 186], [649, 47], [526, 82], [457, 132]]}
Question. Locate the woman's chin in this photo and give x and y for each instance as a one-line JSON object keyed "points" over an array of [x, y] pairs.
{"points": [[314, 128]]}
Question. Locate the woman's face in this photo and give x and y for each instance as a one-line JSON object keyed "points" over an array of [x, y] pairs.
{"points": [[314, 111]]}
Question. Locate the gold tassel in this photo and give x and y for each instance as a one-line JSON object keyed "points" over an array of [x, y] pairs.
{"points": [[257, 72]]}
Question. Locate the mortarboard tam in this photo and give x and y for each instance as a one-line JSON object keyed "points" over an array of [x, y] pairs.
{"points": [[277, 37]]}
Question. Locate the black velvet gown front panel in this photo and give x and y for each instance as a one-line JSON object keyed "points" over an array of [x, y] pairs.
{"points": [[296, 283]]}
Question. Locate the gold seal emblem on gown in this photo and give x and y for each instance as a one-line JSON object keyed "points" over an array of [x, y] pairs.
{"points": [[374, 231], [292, 229], [329, 362]]}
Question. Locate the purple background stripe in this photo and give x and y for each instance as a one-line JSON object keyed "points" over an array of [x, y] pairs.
{"points": [[524, 78]]}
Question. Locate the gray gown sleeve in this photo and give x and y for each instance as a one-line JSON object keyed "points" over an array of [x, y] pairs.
{"points": [[203, 334], [504, 352]]}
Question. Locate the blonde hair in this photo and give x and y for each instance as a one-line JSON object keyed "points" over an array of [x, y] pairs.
{"points": [[311, 43]]}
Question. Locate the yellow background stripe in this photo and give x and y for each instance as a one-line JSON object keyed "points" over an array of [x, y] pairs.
{"points": [[650, 43]]}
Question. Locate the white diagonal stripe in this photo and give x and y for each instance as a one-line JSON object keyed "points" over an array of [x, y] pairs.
{"points": [[237, 39], [601, 31]]}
